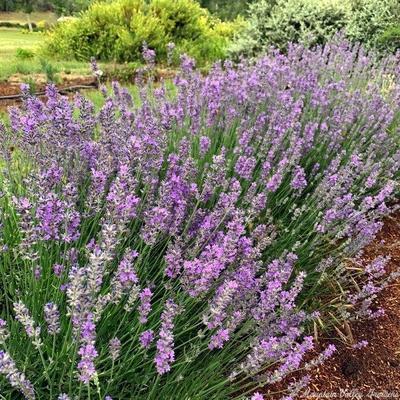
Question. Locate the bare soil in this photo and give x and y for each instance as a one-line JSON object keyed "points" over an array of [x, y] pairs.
{"points": [[372, 372], [12, 86]]}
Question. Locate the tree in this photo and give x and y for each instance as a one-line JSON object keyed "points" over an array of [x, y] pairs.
{"points": [[226, 9], [69, 7], [27, 7], [8, 5]]}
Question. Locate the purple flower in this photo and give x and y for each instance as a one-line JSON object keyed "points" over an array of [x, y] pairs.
{"points": [[93, 64], [145, 305], [205, 144], [4, 333], [322, 357], [115, 348], [149, 56], [299, 181], [171, 47], [22, 315], [244, 166], [86, 367], [125, 277], [165, 354], [217, 340], [146, 338], [17, 379], [52, 317], [361, 344], [37, 272]]}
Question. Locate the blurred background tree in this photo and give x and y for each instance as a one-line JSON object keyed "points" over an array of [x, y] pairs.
{"points": [[226, 9]]}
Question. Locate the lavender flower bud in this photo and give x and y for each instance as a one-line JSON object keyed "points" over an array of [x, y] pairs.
{"points": [[52, 317], [86, 365], [145, 306], [115, 348], [22, 315], [16, 378], [63, 396], [171, 47], [4, 332], [165, 354], [146, 338]]}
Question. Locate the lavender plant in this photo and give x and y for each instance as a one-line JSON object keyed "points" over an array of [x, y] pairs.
{"points": [[181, 248]]}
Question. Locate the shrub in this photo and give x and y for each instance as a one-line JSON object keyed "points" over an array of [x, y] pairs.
{"points": [[276, 22], [390, 39], [368, 20], [6, 24], [24, 54], [179, 248], [115, 31]]}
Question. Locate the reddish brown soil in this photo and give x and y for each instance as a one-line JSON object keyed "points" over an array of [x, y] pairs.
{"points": [[372, 372], [12, 86]]}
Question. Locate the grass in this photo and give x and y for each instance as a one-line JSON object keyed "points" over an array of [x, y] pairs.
{"points": [[21, 18], [12, 39]]}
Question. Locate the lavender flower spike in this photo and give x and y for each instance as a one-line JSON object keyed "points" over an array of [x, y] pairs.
{"points": [[115, 348], [165, 354], [4, 332], [16, 378], [22, 315], [52, 317]]}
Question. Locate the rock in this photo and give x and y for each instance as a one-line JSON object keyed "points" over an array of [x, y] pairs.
{"points": [[393, 363], [350, 366]]}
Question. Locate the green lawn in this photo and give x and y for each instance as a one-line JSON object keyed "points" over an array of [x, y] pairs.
{"points": [[10, 64], [21, 18], [11, 39]]}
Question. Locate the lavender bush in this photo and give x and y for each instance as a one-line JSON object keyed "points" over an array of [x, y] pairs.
{"points": [[182, 248]]}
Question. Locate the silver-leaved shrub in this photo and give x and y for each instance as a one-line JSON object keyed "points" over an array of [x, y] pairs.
{"points": [[275, 22]]}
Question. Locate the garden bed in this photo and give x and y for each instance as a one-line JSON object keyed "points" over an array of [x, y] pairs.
{"points": [[373, 371], [12, 87], [214, 233]]}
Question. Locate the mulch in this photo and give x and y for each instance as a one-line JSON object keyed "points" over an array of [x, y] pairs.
{"points": [[372, 372]]}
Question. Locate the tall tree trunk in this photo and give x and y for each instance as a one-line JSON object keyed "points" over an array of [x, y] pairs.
{"points": [[28, 17]]}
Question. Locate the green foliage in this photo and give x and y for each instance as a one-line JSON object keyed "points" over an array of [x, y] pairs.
{"points": [[24, 54], [226, 9], [49, 70], [22, 68], [70, 7], [369, 19], [32, 85], [116, 31], [391, 37], [8, 24], [276, 22]]}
